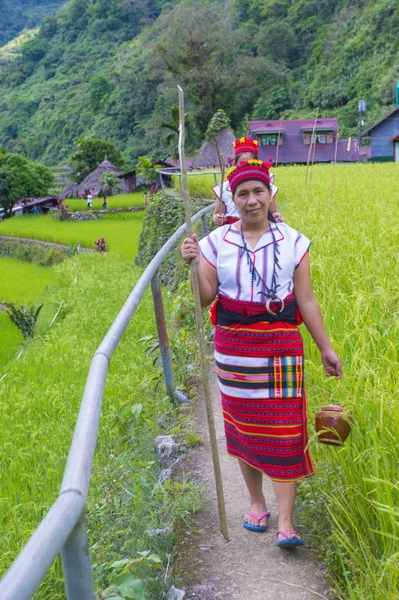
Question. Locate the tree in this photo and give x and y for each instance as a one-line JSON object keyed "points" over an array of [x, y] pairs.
{"points": [[89, 154], [173, 127], [21, 178], [218, 122], [108, 181], [146, 169]]}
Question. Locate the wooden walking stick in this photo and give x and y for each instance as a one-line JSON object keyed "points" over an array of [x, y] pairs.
{"points": [[200, 331]]}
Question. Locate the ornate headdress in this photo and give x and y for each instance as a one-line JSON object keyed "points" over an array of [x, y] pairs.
{"points": [[247, 171], [245, 145]]}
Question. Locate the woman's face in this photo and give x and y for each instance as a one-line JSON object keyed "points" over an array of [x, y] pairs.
{"points": [[252, 200]]}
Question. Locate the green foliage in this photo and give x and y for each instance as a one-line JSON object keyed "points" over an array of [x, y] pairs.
{"points": [[90, 153], [164, 215], [271, 104], [109, 181], [108, 70], [17, 15], [218, 122], [24, 318], [21, 178], [172, 126], [32, 253], [146, 169]]}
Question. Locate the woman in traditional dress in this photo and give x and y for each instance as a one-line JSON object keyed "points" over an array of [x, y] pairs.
{"points": [[244, 149], [259, 269]]}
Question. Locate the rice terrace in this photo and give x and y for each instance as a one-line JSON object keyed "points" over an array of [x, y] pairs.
{"points": [[275, 123]]}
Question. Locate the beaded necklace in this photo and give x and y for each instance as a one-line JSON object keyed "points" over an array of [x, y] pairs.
{"points": [[270, 293]]}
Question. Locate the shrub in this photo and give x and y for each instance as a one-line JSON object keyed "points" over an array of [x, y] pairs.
{"points": [[165, 214], [24, 318]]}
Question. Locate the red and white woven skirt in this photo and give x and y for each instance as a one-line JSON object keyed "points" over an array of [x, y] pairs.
{"points": [[260, 373]]}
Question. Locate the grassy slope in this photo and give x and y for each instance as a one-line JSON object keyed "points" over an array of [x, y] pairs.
{"points": [[11, 340], [39, 400], [22, 282]]}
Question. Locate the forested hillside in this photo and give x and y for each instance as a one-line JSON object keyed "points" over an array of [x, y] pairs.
{"points": [[109, 69], [17, 15]]}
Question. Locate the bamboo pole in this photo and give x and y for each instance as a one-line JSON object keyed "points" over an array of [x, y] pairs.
{"points": [[200, 332], [310, 149], [222, 168], [278, 142], [334, 169]]}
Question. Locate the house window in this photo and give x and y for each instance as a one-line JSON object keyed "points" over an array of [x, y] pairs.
{"points": [[318, 138], [268, 140]]}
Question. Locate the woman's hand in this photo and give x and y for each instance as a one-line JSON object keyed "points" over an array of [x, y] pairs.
{"points": [[190, 249], [278, 216], [218, 219], [332, 364]]}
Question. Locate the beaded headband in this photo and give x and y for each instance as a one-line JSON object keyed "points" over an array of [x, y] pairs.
{"points": [[248, 170], [245, 145]]}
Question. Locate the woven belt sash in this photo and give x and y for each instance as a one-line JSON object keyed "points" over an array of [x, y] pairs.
{"points": [[230, 312]]}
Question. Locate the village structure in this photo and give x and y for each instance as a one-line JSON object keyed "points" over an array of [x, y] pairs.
{"points": [[127, 181]]}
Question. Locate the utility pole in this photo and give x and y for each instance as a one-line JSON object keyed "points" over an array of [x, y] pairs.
{"points": [[361, 108]]}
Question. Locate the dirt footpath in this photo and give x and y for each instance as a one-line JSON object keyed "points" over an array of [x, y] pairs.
{"points": [[249, 566]]}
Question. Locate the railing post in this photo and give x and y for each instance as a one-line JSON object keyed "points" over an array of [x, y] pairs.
{"points": [[164, 341], [76, 564], [204, 223]]}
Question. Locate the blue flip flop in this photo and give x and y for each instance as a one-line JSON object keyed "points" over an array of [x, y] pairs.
{"points": [[289, 542], [257, 528]]}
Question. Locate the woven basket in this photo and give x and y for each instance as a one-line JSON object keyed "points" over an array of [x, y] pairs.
{"points": [[333, 424]]}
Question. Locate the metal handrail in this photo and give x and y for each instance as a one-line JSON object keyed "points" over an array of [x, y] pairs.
{"points": [[63, 528]]}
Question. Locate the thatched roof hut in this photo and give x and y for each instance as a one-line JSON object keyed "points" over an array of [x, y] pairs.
{"points": [[207, 157], [92, 181]]}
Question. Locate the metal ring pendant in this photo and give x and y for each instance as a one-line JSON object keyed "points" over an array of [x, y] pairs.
{"points": [[269, 301]]}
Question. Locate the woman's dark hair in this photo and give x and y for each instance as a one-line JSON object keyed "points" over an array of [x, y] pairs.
{"points": [[238, 157], [269, 187]]}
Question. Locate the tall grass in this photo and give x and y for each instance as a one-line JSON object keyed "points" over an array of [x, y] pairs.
{"points": [[39, 401], [23, 282], [10, 340], [121, 234], [351, 507]]}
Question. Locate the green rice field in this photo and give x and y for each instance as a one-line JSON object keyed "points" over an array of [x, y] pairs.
{"points": [[119, 201], [23, 283], [349, 511], [121, 231]]}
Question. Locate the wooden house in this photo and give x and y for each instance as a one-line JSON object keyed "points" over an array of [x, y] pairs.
{"points": [[384, 138], [289, 141]]}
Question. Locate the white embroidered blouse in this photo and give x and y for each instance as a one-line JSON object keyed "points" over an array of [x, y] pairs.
{"points": [[224, 250]]}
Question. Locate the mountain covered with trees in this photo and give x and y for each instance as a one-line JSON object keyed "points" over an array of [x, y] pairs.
{"points": [[17, 15], [108, 69]]}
